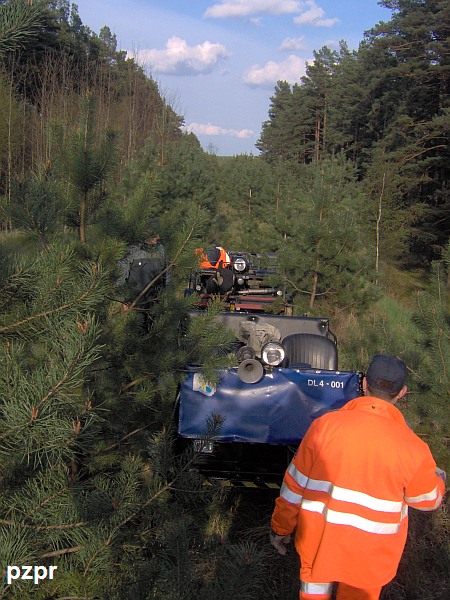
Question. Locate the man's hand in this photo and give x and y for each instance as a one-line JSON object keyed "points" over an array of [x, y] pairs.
{"points": [[279, 542]]}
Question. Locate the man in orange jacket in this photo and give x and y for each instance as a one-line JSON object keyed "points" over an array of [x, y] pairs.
{"points": [[212, 258], [348, 488]]}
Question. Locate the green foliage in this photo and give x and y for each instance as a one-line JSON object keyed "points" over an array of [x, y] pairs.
{"points": [[10, 121], [89, 474], [322, 249], [419, 334], [36, 205], [187, 174], [128, 216], [49, 337], [386, 107], [19, 22], [432, 373], [209, 344], [86, 164], [240, 573], [277, 132], [246, 200]]}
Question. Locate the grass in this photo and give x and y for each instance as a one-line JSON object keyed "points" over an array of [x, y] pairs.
{"points": [[403, 284]]}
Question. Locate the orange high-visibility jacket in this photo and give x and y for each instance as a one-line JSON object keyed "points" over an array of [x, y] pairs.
{"points": [[212, 258], [347, 492]]}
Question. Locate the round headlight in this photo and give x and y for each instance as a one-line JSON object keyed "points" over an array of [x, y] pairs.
{"points": [[273, 354], [239, 265], [245, 353]]}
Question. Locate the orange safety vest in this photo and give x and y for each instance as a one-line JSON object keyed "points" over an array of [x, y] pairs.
{"points": [[347, 492], [212, 258]]}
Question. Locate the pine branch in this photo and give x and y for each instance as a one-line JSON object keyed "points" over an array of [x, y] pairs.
{"points": [[125, 437], [70, 370], [51, 311], [18, 428], [64, 379], [43, 503], [46, 527], [19, 22], [406, 159], [61, 552], [431, 314], [131, 384], [297, 289], [213, 425]]}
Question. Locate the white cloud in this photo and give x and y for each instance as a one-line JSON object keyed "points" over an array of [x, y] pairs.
{"points": [[308, 11], [331, 43], [293, 44], [209, 129], [313, 15], [289, 70], [244, 8], [181, 59]]}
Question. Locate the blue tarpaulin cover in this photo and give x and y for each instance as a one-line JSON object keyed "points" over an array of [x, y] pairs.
{"points": [[278, 409]]}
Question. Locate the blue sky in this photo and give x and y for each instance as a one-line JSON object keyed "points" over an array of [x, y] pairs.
{"points": [[217, 61]]}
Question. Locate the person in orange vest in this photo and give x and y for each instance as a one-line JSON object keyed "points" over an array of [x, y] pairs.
{"points": [[217, 259], [212, 258], [347, 491]]}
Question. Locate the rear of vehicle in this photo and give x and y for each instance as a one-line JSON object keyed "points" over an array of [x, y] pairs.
{"points": [[287, 376]]}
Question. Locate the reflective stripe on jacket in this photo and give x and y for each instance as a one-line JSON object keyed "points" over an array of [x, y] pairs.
{"points": [[347, 492]]}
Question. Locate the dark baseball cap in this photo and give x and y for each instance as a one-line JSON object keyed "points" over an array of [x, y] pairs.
{"points": [[386, 374]]}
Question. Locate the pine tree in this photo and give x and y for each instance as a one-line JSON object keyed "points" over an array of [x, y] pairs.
{"points": [[36, 205], [90, 479], [49, 341], [323, 250], [86, 164], [276, 133], [433, 372], [411, 114], [317, 92], [246, 200]]}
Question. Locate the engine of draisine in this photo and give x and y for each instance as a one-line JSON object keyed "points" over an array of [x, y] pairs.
{"points": [[248, 283]]}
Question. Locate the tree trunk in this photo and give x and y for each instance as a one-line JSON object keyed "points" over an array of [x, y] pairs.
{"points": [[317, 140], [314, 290], [9, 157], [378, 226], [43, 241], [82, 229]]}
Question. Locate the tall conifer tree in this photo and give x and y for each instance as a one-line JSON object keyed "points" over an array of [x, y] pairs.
{"points": [[86, 164]]}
